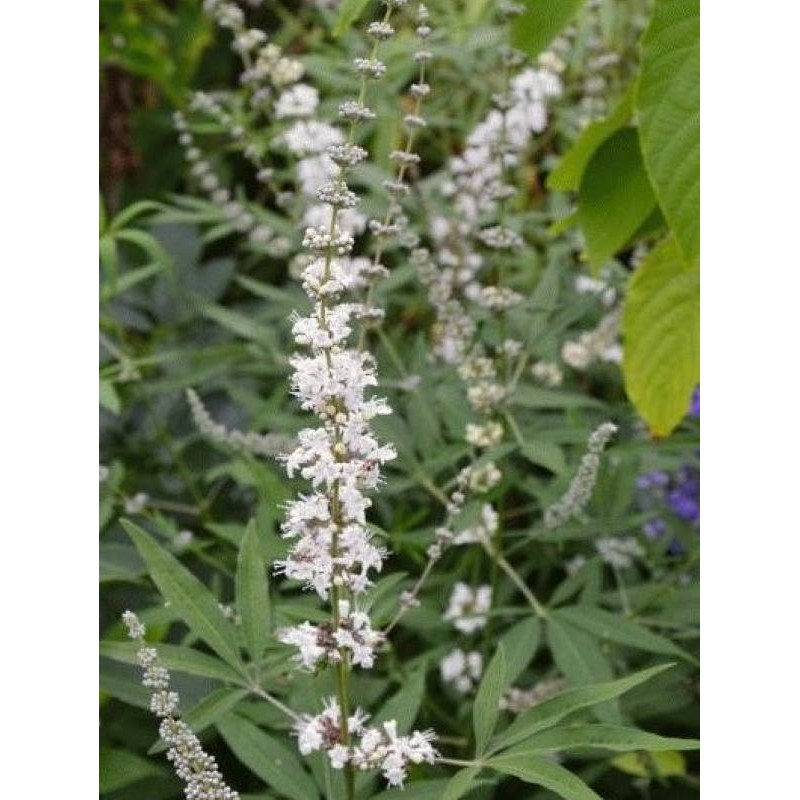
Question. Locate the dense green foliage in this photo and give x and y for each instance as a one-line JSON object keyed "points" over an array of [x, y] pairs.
{"points": [[190, 523]]}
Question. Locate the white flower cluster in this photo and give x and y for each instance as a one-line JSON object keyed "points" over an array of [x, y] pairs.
{"points": [[468, 607], [480, 478], [196, 768], [477, 174], [548, 373], [259, 444], [580, 489], [461, 670], [323, 643], [587, 285], [369, 748], [619, 552], [598, 344]]}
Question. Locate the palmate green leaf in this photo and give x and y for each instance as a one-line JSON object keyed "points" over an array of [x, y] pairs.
{"points": [[252, 592], [569, 171], [268, 758], [520, 643], [661, 330], [460, 783], [176, 658], [545, 454], [668, 106], [487, 701], [606, 737], [540, 24], [349, 12], [572, 584], [120, 768], [580, 659], [614, 197], [605, 625], [550, 712], [196, 605], [544, 772]]}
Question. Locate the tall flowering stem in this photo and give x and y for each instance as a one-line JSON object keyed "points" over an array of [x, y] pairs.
{"points": [[332, 551]]}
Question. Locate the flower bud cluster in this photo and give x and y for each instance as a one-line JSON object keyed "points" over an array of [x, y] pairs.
{"points": [[364, 748], [230, 209], [259, 444], [405, 159], [196, 768], [579, 492], [518, 701]]}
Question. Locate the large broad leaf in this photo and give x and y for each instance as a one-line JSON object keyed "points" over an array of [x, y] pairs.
{"points": [[544, 772], [605, 625], [540, 24], [567, 175], [268, 758], [550, 712], [196, 605], [606, 737], [487, 700], [661, 329], [614, 197], [668, 105], [252, 593], [652, 765]]}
